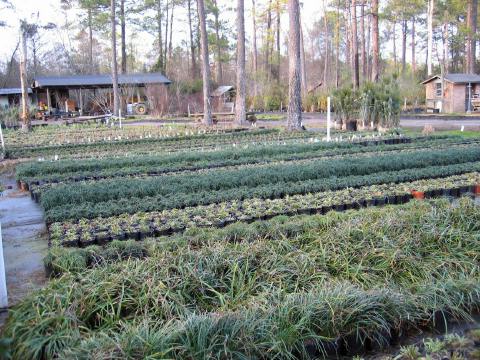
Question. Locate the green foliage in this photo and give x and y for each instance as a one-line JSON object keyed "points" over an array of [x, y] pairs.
{"points": [[275, 98], [346, 104], [190, 87], [262, 290], [315, 102], [380, 103], [374, 102], [10, 117]]}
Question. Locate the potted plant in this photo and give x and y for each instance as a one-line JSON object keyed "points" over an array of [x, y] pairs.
{"points": [[419, 195]]}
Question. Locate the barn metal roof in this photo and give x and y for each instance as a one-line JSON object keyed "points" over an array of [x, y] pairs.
{"points": [[221, 90], [13, 91], [456, 78], [85, 81]]}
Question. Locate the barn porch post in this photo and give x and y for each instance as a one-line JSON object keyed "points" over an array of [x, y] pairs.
{"points": [[469, 102]]}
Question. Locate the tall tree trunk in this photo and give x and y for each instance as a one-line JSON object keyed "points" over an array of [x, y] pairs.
{"points": [[277, 67], [268, 67], [337, 47], [123, 36], [325, 34], [90, 40], [369, 42], [414, 61], [165, 43], [375, 42], [170, 45], [394, 36], [240, 106], [23, 78], [474, 31], [471, 36], [430, 10], [193, 71], [218, 49], [303, 64], [445, 39], [356, 75], [294, 118], [255, 50], [348, 38], [404, 46], [160, 36], [207, 108], [363, 51], [116, 99]]}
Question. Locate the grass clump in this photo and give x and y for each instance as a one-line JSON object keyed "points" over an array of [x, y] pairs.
{"points": [[271, 289]]}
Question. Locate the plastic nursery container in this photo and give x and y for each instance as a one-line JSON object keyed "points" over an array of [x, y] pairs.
{"points": [[419, 195], [476, 190]]}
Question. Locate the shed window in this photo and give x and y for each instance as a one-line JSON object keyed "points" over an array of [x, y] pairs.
{"points": [[438, 89]]}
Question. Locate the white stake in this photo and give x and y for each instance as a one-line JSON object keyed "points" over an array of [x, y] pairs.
{"points": [[328, 118], [3, 281]]}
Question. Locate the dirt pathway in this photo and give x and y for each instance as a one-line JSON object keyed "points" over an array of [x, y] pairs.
{"points": [[24, 241]]}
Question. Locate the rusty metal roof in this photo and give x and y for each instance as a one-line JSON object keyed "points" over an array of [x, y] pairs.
{"points": [[98, 81]]}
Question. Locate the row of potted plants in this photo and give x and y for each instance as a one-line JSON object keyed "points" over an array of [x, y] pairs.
{"points": [[269, 191], [314, 176], [84, 135], [137, 226], [40, 173], [163, 144]]}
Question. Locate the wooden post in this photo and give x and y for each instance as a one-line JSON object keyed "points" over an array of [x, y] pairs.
{"points": [[49, 102], [81, 102]]}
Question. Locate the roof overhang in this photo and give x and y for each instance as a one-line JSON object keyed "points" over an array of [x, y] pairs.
{"points": [[98, 81], [455, 78], [13, 91]]}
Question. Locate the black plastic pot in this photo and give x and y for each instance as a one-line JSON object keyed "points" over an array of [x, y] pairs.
{"points": [[103, 239], [455, 192], [87, 243], [371, 202], [392, 199], [351, 345], [380, 201], [73, 243], [340, 207]]}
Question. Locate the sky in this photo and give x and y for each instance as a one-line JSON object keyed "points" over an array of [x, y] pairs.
{"points": [[49, 11]]}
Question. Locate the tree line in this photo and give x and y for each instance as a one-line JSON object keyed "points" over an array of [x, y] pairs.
{"points": [[350, 43]]}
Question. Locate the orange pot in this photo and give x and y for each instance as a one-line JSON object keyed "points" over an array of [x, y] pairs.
{"points": [[418, 194]]}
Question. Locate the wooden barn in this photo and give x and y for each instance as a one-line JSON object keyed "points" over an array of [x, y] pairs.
{"points": [[455, 93], [92, 93]]}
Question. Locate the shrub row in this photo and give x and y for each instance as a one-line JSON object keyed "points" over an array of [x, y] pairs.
{"points": [[139, 225], [281, 175], [80, 170], [179, 200]]}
